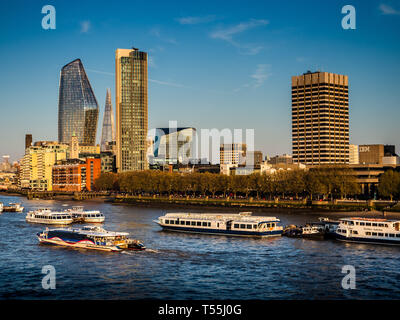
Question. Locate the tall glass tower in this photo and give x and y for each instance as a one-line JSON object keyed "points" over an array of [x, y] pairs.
{"points": [[77, 106], [132, 109], [108, 130]]}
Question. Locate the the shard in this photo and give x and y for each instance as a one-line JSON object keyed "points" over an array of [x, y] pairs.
{"points": [[108, 130], [77, 105]]}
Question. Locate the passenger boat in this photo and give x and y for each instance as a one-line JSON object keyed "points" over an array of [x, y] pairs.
{"points": [[1, 207], [368, 230], [326, 225], [80, 215], [307, 232], [13, 207], [90, 237], [242, 224], [46, 216]]}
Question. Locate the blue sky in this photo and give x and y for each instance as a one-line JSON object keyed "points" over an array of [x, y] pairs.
{"points": [[213, 64]]}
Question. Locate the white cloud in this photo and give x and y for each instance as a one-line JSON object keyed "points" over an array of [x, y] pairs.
{"points": [[196, 20], [388, 10], [85, 26], [156, 32], [228, 34], [260, 75]]}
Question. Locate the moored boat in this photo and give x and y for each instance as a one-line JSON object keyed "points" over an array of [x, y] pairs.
{"points": [[1, 207], [46, 216], [13, 207], [307, 232], [242, 224], [369, 230], [80, 215], [95, 238]]}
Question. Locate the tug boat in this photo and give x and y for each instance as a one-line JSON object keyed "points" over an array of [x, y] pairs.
{"points": [[46, 216], [242, 224], [79, 215], [13, 207], [307, 232], [368, 230], [90, 237]]}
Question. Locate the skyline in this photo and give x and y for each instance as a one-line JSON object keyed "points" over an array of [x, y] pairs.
{"points": [[204, 61]]}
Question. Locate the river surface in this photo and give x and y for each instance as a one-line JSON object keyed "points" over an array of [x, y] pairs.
{"points": [[189, 266]]}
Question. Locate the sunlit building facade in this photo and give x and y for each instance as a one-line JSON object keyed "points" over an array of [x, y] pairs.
{"points": [[131, 109], [77, 105]]}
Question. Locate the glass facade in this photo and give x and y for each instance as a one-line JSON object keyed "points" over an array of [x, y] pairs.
{"points": [[77, 106], [132, 109], [108, 130]]}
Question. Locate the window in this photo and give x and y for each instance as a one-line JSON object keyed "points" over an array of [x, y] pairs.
{"points": [[198, 223], [204, 224], [236, 225], [380, 234], [182, 222], [398, 235], [209, 224], [193, 223], [166, 221], [355, 232], [391, 235], [188, 223], [242, 226], [374, 234], [255, 226], [374, 224], [362, 224], [381, 225], [368, 233], [249, 226], [368, 224]]}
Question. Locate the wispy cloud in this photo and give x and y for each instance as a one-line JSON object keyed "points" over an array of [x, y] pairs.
{"points": [[388, 10], [228, 34], [85, 26], [156, 32], [196, 20], [258, 77], [164, 83]]}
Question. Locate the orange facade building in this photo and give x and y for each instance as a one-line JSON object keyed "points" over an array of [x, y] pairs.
{"points": [[76, 175]]}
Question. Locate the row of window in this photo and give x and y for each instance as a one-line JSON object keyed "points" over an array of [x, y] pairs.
{"points": [[53, 217], [188, 223]]}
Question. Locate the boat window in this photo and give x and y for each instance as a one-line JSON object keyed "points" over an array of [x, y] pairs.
{"points": [[374, 234], [355, 232], [368, 233], [380, 234], [351, 223], [254, 226], [398, 235], [236, 225], [193, 223], [362, 223], [391, 235], [188, 223], [386, 235], [268, 225], [368, 224], [209, 224], [385, 225], [204, 224], [374, 224], [242, 226], [249, 226], [198, 223], [166, 221], [182, 222], [381, 225]]}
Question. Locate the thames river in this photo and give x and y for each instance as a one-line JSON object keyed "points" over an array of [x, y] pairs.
{"points": [[189, 266]]}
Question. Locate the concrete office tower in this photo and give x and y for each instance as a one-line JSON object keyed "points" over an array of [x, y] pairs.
{"points": [[132, 109], [108, 130], [320, 118], [77, 106]]}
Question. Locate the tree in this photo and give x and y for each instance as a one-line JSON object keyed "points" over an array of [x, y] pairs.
{"points": [[389, 184], [106, 181]]}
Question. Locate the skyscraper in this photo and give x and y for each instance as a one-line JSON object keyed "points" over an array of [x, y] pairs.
{"points": [[108, 130], [320, 118], [132, 109], [77, 106]]}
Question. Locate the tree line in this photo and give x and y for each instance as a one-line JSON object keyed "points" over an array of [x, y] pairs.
{"points": [[330, 182]]}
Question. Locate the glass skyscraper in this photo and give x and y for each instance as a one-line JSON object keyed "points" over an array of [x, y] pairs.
{"points": [[132, 109], [108, 130], [77, 106]]}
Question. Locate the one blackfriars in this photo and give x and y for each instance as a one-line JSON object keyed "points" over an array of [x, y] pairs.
{"points": [[78, 109]]}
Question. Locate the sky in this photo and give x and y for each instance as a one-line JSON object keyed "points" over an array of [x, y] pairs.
{"points": [[212, 64]]}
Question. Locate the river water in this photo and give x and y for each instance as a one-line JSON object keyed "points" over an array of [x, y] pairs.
{"points": [[189, 266]]}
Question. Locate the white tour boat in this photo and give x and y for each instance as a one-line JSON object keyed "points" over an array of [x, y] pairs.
{"points": [[80, 215], [368, 230], [242, 224], [46, 216]]}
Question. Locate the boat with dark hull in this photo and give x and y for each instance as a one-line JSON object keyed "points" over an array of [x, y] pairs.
{"points": [[13, 207], [242, 224], [306, 232], [94, 238]]}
